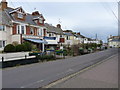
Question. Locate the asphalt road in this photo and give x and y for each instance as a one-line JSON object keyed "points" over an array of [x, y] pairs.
{"points": [[40, 74], [104, 75]]}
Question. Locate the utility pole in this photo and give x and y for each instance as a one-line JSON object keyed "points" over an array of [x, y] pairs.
{"points": [[96, 36], [119, 18]]}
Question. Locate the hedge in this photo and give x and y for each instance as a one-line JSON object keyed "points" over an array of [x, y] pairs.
{"points": [[45, 57], [9, 48]]}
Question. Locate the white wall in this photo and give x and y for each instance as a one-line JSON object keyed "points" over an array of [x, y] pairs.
{"points": [[16, 38], [6, 35], [114, 44]]}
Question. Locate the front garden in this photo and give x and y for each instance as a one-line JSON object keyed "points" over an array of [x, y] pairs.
{"points": [[49, 54]]}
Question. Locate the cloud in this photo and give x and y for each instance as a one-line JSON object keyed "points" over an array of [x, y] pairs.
{"points": [[66, 1], [87, 17]]}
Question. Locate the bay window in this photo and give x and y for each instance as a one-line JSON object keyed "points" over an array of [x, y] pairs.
{"points": [[21, 29]]}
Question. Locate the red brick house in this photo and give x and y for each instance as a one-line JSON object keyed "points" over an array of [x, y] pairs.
{"points": [[21, 26]]}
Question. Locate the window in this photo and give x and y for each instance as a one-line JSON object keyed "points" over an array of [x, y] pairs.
{"points": [[40, 21], [2, 44], [31, 31], [18, 29], [2, 28], [44, 30], [20, 15], [22, 29], [67, 37], [50, 35], [40, 32]]}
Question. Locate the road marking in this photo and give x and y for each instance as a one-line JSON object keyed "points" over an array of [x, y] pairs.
{"points": [[69, 70], [72, 75], [32, 84]]}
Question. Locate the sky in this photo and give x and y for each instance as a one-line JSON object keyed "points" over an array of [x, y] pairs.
{"points": [[89, 18]]}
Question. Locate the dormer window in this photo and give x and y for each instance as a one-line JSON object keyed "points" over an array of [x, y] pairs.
{"points": [[20, 15], [40, 20]]}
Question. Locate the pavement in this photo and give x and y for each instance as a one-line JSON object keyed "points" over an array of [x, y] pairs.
{"points": [[104, 75], [41, 74]]}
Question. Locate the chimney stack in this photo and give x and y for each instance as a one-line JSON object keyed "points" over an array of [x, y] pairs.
{"points": [[78, 33], [3, 4], [58, 26], [36, 13]]}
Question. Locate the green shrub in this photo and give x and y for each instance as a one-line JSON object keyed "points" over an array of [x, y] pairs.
{"points": [[65, 53], [45, 57], [81, 51], [71, 53], [9, 48], [106, 48], [28, 46], [59, 52], [20, 48]]}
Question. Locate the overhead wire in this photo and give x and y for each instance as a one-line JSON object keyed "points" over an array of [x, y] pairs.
{"points": [[108, 8], [112, 11], [12, 3]]}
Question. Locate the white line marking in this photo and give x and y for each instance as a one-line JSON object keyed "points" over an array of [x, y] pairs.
{"points": [[32, 84]]}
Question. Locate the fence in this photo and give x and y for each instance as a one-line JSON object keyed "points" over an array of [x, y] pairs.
{"points": [[15, 56]]}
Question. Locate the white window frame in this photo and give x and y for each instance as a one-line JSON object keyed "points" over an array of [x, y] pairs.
{"points": [[20, 29], [3, 28], [23, 29], [40, 32], [2, 46], [20, 15], [41, 20], [31, 30]]}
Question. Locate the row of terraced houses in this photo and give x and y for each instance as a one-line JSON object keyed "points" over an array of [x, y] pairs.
{"points": [[17, 26]]}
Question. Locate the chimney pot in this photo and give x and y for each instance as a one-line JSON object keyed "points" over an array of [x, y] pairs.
{"points": [[58, 26], [78, 33], [36, 13]]}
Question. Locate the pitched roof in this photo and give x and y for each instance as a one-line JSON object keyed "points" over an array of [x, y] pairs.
{"points": [[29, 17], [68, 34], [4, 18], [115, 40], [53, 29]]}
